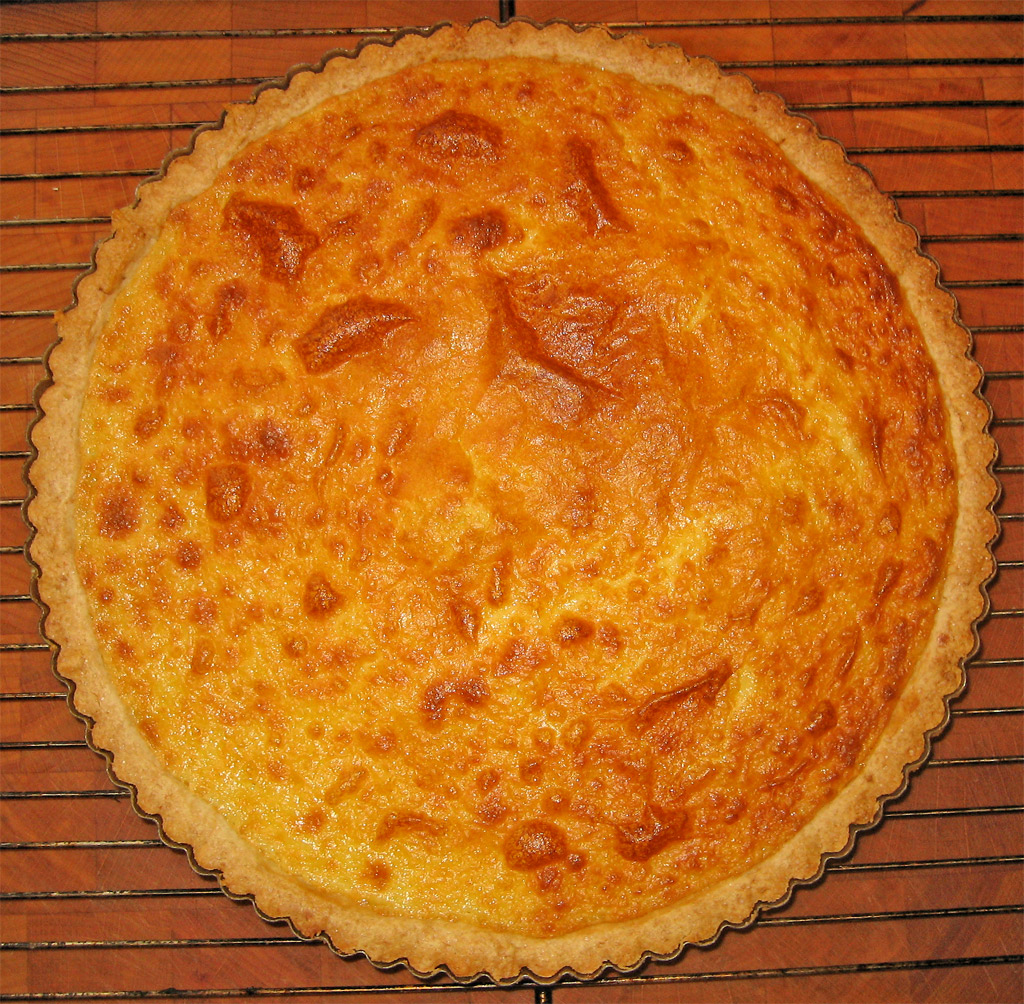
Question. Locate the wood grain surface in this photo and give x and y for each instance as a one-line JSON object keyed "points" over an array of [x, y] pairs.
{"points": [[927, 95]]}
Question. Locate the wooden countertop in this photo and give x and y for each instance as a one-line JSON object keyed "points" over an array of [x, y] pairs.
{"points": [[927, 95]]}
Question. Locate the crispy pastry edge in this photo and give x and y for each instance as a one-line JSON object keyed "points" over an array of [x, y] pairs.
{"points": [[463, 950]]}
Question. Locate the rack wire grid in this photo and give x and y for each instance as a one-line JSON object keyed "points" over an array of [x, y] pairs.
{"points": [[927, 95]]}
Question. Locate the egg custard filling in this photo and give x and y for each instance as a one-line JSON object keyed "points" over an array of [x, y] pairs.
{"points": [[511, 499]]}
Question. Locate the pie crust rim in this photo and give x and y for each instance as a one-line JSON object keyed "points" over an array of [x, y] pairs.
{"points": [[461, 950]]}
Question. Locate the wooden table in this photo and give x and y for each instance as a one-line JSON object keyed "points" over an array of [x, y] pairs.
{"points": [[927, 95]]}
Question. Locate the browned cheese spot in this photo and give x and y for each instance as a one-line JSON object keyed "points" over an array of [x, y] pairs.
{"points": [[480, 232], [520, 658], [312, 822], [149, 421], [229, 298], [319, 598], [415, 823], [573, 630], [587, 193], [189, 554], [204, 610], [498, 580], [274, 233], [149, 728], [193, 427], [823, 719], [849, 644], [465, 616], [781, 411], [874, 436], [888, 575], [204, 658], [116, 395], [810, 599], [471, 690], [549, 879], [296, 646], [227, 489], [534, 844], [173, 362], [380, 743], [679, 153], [931, 559], [304, 179], [347, 783], [256, 379], [458, 136], [354, 326], [789, 202], [172, 519], [641, 839], [118, 515], [377, 873], [260, 441], [492, 810], [561, 331], [701, 691]]}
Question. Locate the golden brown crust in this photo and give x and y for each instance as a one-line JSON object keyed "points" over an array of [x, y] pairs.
{"points": [[461, 947]]}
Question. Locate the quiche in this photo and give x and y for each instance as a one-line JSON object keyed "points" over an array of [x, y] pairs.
{"points": [[512, 500]]}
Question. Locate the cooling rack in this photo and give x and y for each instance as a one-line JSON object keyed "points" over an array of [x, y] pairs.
{"points": [[927, 95]]}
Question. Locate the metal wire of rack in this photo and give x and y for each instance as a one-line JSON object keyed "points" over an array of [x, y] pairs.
{"points": [[940, 127]]}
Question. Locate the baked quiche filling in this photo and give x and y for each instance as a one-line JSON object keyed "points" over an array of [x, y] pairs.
{"points": [[512, 494]]}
